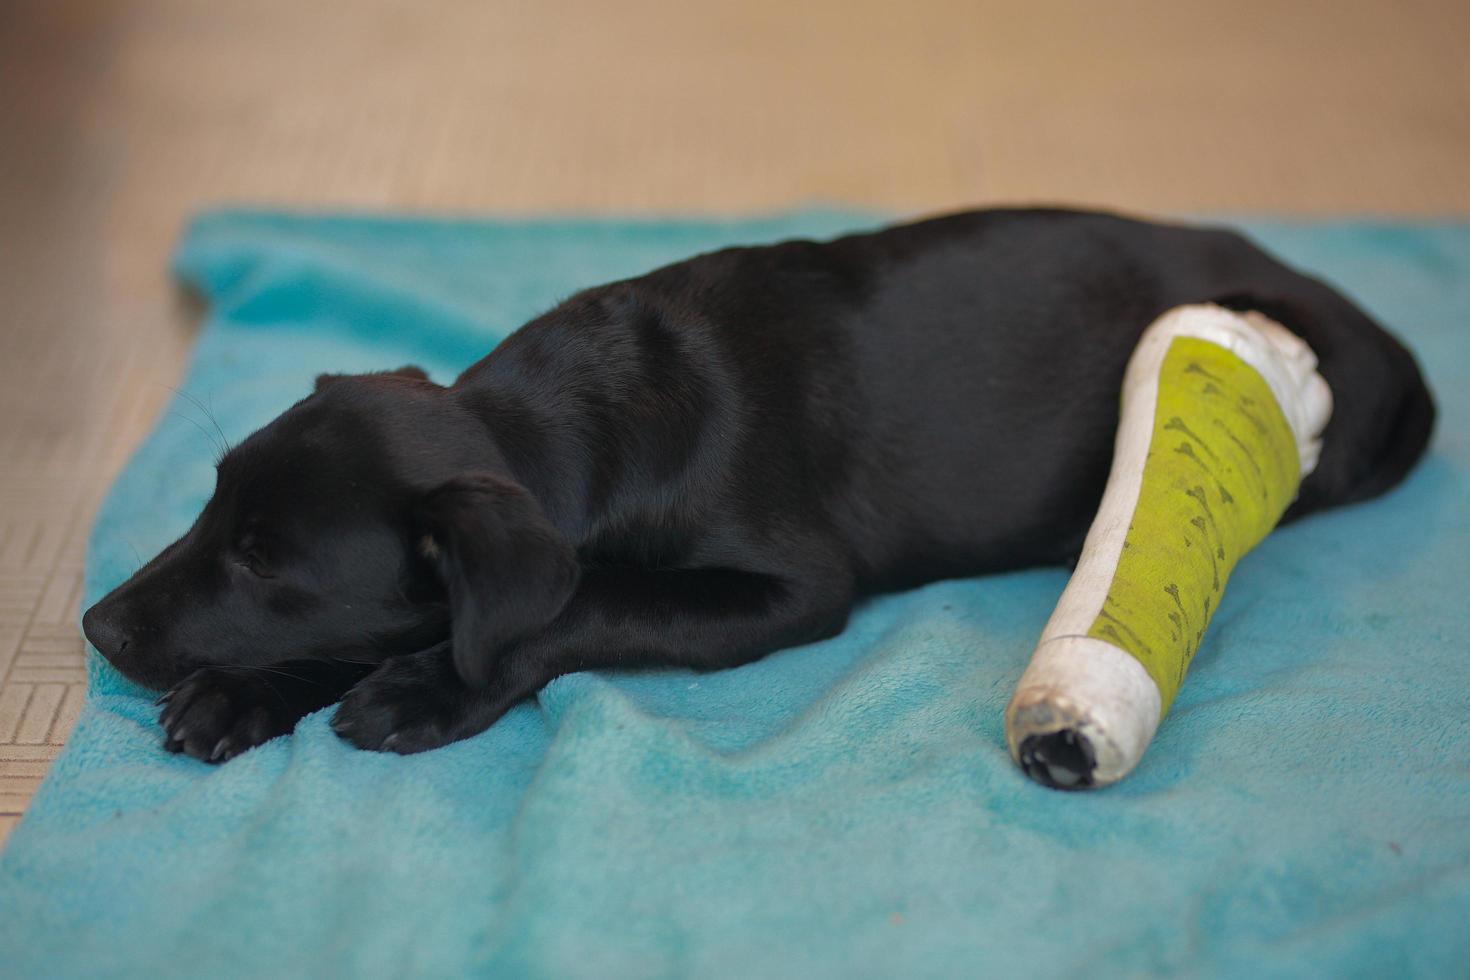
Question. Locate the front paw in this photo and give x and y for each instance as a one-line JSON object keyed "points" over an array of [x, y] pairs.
{"points": [[410, 704], [216, 713]]}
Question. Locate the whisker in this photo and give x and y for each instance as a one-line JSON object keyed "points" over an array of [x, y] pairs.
{"points": [[222, 446], [281, 671], [359, 663], [196, 424], [210, 412]]}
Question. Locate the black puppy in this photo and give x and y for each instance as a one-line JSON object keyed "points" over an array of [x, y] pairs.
{"points": [[699, 466]]}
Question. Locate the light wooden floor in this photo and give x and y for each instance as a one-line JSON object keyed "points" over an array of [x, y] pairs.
{"points": [[118, 119]]}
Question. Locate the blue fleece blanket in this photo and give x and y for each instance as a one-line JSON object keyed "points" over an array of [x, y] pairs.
{"points": [[842, 809]]}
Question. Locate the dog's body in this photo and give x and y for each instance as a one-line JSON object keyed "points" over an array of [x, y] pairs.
{"points": [[699, 466]]}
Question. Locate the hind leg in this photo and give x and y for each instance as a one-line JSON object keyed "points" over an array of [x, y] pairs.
{"points": [[1222, 417]]}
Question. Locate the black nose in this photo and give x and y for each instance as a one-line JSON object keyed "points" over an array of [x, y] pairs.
{"points": [[103, 632]]}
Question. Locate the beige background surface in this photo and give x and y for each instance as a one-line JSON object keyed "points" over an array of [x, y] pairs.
{"points": [[119, 119]]}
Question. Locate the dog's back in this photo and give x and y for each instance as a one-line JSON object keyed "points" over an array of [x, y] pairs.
{"points": [[942, 395]]}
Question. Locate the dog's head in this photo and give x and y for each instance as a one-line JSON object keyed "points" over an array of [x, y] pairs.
{"points": [[375, 517]]}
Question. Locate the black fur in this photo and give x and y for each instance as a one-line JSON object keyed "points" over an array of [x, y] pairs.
{"points": [[699, 466]]}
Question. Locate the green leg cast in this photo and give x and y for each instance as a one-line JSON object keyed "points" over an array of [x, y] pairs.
{"points": [[1221, 418]]}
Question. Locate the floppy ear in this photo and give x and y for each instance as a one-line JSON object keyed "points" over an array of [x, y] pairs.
{"points": [[507, 570], [407, 371]]}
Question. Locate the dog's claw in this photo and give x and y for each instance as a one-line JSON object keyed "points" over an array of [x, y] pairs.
{"points": [[411, 704], [163, 698], [214, 716]]}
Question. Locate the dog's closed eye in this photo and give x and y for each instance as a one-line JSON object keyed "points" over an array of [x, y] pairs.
{"points": [[249, 556]]}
